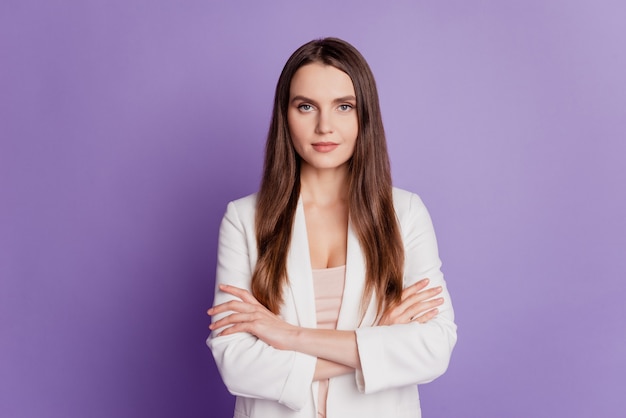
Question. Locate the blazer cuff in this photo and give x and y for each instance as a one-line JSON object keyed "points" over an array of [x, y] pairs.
{"points": [[371, 349], [296, 391]]}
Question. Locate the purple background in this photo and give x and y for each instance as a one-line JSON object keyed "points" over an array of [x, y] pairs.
{"points": [[126, 127]]}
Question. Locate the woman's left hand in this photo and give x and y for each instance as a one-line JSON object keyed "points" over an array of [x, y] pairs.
{"points": [[248, 315], [417, 304]]}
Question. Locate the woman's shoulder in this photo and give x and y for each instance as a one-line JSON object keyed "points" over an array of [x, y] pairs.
{"points": [[404, 200], [248, 201], [409, 209], [242, 207]]}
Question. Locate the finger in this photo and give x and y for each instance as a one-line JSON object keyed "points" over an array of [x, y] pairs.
{"points": [[242, 294], [422, 319], [414, 288], [421, 296], [428, 293], [238, 327], [231, 330], [414, 299], [422, 307], [414, 305], [233, 319], [231, 305], [228, 331]]}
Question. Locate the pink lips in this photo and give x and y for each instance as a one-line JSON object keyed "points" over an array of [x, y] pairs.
{"points": [[324, 146]]}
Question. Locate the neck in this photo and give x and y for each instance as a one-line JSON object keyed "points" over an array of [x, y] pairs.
{"points": [[324, 187]]}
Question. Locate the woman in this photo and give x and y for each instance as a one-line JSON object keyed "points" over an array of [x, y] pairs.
{"points": [[330, 300]]}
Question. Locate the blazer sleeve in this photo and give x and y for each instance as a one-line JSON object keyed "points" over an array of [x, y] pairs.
{"points": [[413, 353], [248, 366]]}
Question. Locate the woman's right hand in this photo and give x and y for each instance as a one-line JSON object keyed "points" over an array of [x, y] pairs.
{"points": [[417, 304]]}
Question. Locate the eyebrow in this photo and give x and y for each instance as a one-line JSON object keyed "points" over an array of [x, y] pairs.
{"points": [[349, 98]]}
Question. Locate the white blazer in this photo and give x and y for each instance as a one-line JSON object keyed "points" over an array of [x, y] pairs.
{"points": [[272, 383]]}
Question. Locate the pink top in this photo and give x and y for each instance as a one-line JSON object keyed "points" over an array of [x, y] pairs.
{"points": [[328, 285]]}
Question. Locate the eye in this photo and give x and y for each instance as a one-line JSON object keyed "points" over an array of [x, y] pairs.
{"points": [[305, 107], [345, 107]]}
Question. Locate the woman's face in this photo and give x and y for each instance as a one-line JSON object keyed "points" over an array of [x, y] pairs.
{"points": [[322, 116]]}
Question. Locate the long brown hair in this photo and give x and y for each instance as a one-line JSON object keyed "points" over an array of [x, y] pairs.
{"points": [[370, 192]]}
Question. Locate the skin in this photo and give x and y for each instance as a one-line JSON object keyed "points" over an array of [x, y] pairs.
{"points": [[322, 110], [323, 124]]}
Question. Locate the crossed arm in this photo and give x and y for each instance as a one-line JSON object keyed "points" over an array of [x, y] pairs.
{"points": [[336, 350]]}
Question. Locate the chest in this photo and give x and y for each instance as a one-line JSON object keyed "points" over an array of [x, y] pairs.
{"points": [[327, 234]]}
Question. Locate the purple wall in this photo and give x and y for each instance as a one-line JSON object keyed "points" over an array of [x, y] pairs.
{"points": [[126, 127]]}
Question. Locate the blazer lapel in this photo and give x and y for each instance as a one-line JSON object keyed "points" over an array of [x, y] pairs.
{"points": [[350, 313], [300, 273]]}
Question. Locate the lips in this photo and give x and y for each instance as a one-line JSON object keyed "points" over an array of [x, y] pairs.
{"points": [[324, 146]]}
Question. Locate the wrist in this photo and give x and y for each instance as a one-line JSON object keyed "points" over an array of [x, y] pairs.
{"points": [[290, 339]]}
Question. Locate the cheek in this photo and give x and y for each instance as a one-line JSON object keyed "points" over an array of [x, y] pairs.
{"points": [[351, 130], [297, 128]]}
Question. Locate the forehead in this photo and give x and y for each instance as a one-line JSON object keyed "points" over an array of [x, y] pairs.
{"points": [[320, 81]]}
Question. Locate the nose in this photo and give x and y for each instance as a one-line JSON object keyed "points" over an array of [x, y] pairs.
{"points": [[324, 123]]}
